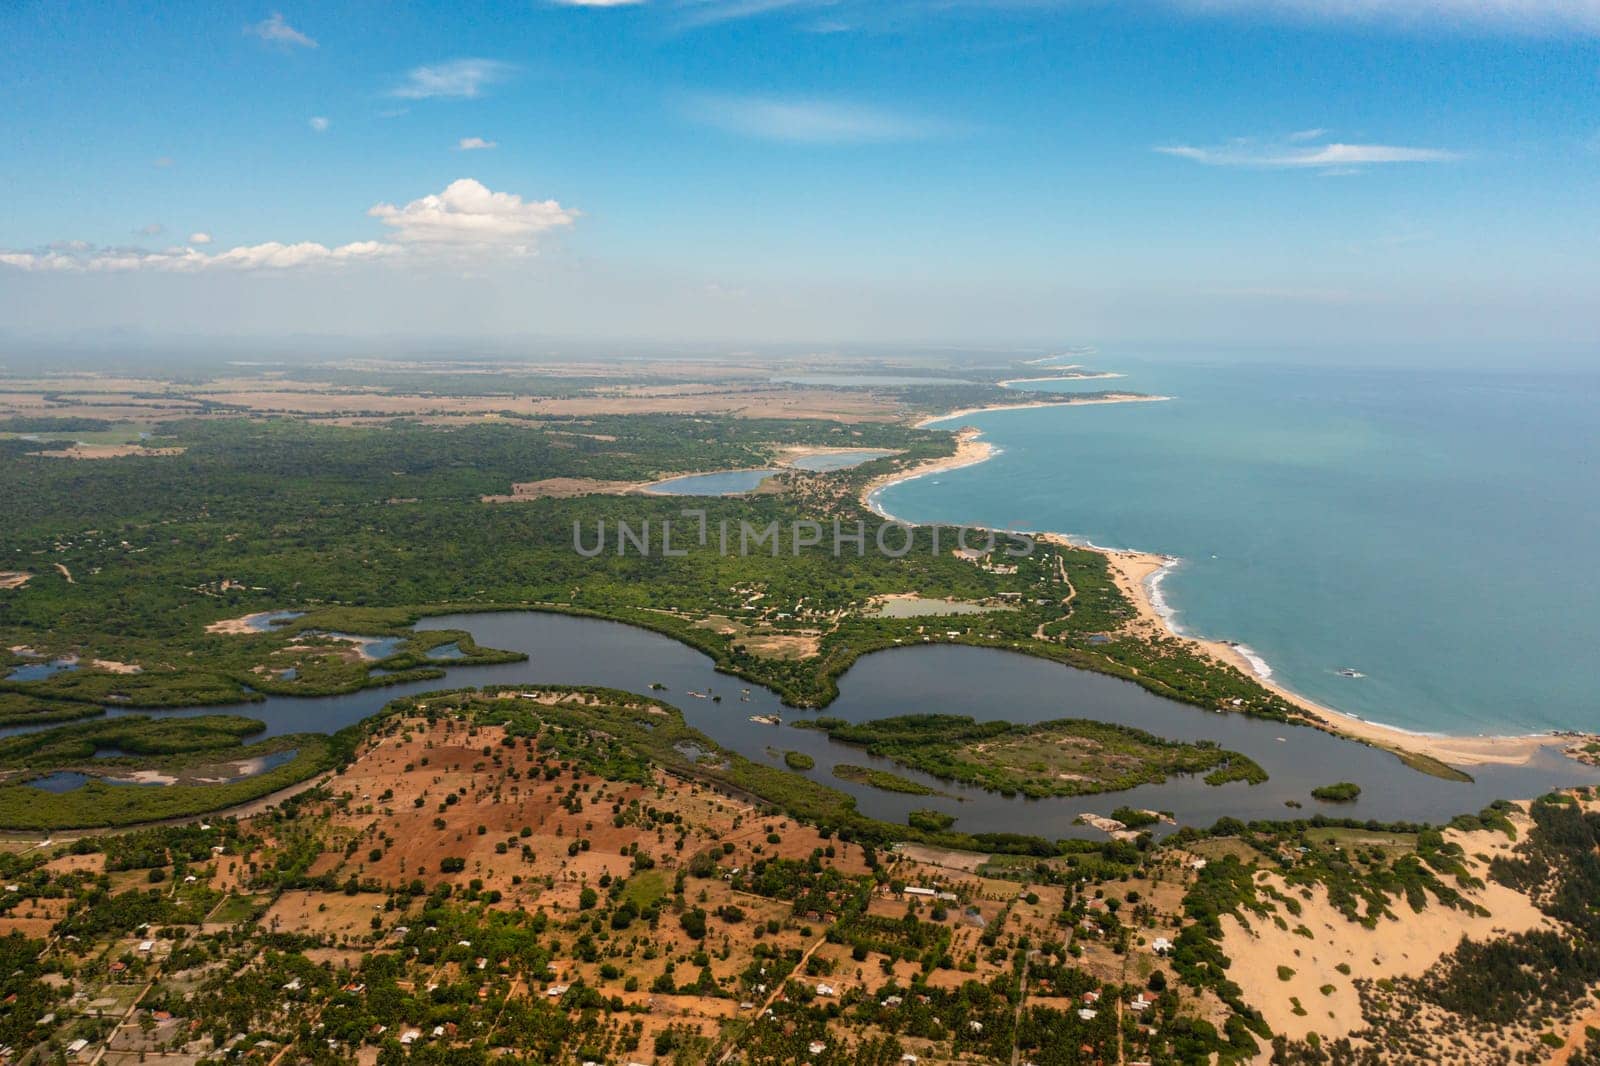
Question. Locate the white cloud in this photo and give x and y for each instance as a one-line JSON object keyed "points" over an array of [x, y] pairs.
{"points": [[1308, 135], [465, 221], [1332, 158], [811, 121], [459, 79], [1517, 16], [468, 214], [269, 255], [274, 30], [708, 12], [319, 123], [475, 144]]}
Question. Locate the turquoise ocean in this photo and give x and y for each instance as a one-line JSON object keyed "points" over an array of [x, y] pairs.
{"points": [[1436, 532]]}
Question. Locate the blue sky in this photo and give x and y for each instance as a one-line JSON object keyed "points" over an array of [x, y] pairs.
{"points": [[1212, 172]]}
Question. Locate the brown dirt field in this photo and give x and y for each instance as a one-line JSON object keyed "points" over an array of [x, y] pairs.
{"points": [[14, 579], [34, 917], [93, 863], [754, 403], [796, 645], [325, 912]]}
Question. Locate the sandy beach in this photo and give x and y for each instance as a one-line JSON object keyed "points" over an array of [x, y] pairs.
{"points": [[1135, 573], [971, 449], [1114, 397], [1100, 376]]}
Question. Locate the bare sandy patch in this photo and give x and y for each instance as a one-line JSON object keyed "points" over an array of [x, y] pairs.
{"points": [[564, 488], [1399, 947], [105, 451], [947, 858], [788, 454], [111, 666], [14, 579], [769, 644], [241, 625]]}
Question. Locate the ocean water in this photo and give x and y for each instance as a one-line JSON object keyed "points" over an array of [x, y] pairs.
{"points": [[1437, 532]]}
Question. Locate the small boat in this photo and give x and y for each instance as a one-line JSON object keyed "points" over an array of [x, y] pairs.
{"points": [[697, 695], [766, 719], [1348, 672]]}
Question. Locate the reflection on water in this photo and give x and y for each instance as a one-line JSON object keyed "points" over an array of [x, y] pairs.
{"points": [[826, 462], [67, 780], [722, 483], [951, 679], [40, 671], [270, 620]]}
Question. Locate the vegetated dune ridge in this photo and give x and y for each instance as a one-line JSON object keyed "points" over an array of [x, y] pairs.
{"points": [[1402, 946]]}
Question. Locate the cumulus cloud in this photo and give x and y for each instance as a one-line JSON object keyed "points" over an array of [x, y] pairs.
{"points": [[811, 121], [1295, 152], [319, 123], [275, 30], [475, 144], [469, 214], [467, 221], [459, 79]]}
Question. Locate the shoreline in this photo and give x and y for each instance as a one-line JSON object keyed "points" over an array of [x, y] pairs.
{"points": [[1138, 575], [971, 449], [1115, 397], [1105, 375]]}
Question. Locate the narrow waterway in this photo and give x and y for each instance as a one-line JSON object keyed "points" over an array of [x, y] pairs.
{"points": [[949, 679]]}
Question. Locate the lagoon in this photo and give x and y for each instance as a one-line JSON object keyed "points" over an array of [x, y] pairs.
{"points": [[827, 462], [41, 671], [720, 483], [981, 682]]}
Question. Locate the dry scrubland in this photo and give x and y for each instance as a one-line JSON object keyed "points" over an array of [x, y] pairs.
{"points": [[464, 890]]}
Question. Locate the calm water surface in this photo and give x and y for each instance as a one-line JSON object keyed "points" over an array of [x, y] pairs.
{"points": [[980, 682], [1434, 531], [721, 483]]}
